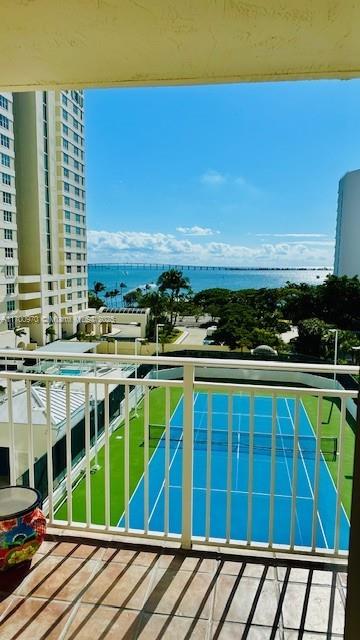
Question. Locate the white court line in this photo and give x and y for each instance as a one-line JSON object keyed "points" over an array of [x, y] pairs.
{"points": [[152, 456], [171, 463], [255, 493], [327, 468], [305, 467]]}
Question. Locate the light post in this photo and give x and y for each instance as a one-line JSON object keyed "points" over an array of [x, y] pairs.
{"points": [[158, 326], [336, 336], [137, 341]]}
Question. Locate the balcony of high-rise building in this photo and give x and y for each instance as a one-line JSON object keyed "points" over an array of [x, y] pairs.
{"points": [[192, 498]]}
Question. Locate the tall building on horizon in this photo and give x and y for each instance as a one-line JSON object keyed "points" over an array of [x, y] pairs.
{"points": [[48, 216], [347, 247]]}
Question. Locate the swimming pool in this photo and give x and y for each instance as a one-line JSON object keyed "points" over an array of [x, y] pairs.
{"points": [[69, 372]]}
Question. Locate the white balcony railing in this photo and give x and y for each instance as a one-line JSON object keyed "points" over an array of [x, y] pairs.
{"points": [[190, 453]]}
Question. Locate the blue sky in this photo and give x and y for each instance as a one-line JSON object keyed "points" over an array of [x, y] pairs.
{"points": [[231, 174]]}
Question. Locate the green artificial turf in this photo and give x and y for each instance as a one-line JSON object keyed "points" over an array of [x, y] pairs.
{"points": [[157, 416], [330, 426]]}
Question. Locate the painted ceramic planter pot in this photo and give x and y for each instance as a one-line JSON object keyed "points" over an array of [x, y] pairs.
{"points": [[22, 525]]}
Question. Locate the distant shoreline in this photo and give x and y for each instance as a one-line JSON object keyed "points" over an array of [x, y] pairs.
{"points": [[151, 265]]}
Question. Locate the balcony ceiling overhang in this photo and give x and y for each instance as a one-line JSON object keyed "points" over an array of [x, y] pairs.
{"points": [[103, 43]]}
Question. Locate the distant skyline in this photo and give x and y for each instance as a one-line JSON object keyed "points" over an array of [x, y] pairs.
{"points": [[241, 175]]}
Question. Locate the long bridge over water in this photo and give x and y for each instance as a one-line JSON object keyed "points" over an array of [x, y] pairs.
{"points": [[103, 266]]}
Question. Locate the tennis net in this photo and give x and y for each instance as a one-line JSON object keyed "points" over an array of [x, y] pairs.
{"points": [[243, 441]]}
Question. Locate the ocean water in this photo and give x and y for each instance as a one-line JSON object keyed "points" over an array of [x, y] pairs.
{"points": [[135, 277]]}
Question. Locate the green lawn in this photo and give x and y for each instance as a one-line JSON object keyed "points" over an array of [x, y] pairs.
{"points": [[157, 416], [330, 427]]}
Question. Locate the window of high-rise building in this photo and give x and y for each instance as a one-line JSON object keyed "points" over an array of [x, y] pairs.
{"points": [[11, 323], [9, 252], [6, 179], [66, 186], [9, 271], [10, 305], [67, 201], [7, 199], [5, 160], [67, 242], [67, 228], [4, 121], [7, 216], [10, 289], [4, 102], [8, 234], [4, 141], [65, 144], [68, 269]]}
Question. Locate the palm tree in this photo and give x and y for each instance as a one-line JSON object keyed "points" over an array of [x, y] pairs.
{"points": [[98, 288], [115, 294], [174, 282], [122, 286]]}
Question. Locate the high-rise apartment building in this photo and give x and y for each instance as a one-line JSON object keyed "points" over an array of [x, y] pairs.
{"points": [[8, 227], [347, 249], [46, 262]]}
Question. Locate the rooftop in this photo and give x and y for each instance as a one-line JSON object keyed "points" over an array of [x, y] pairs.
{"points": [[67, 346], [80, 588]]}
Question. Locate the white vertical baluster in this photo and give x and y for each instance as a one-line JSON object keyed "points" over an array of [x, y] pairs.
{"points": [[208, 467], [30, 435], [107, 455], [273, 471], [317, 474], [49, 452], [146, 459], [167, 461], [68, 454], [251, 467], [229, 467], [87, 456], [295, 469], [340, 474], [126, 458], [187, 460], [12, 454]]}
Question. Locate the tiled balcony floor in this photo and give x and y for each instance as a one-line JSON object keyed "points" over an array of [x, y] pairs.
{"points": [[85, 589]]}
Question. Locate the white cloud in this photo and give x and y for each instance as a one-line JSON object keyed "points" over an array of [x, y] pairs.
{"points": [[291, 235], [132, 246], [197, 231], [213, 177]]}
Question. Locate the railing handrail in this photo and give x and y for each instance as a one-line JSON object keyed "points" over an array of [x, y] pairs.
{"points": [[180, 362], [179, 383]]}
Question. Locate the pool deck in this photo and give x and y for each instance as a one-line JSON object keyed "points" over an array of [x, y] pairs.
{"points": [[81, 588]]}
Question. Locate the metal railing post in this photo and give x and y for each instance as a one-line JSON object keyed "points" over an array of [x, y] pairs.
{"points": [[352, 609], [187, 461]]}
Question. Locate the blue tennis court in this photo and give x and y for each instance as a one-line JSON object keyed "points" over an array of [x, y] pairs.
{"points": [[238, 451]]}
